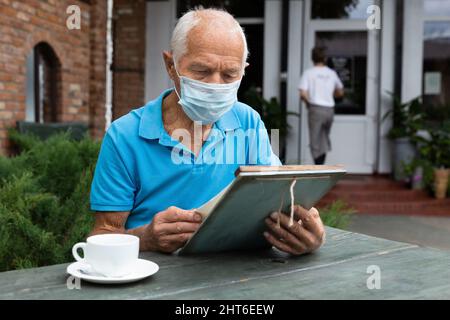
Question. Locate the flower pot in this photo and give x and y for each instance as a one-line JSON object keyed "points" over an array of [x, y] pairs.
{"points": [[404, 152], [440, 183], [417, 179]]}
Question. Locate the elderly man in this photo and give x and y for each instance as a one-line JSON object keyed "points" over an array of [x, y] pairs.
{"points": [[139, 189]]}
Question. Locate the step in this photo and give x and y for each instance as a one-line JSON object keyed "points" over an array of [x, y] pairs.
{"points": [[372, 187], [370, 195], [382, 195], [419, 207], [430, 202]]}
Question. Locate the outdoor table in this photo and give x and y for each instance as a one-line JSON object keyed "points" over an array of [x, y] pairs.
{"points": [[339, 270]]}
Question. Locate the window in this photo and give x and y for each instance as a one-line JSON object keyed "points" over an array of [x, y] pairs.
{"points": [[437, 8], [347, 55], [42, 84], [436, 55], [238, 8], [341, 9]]}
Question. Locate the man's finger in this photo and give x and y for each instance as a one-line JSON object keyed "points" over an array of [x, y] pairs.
{"points": [[279, 244], [180, 239], [282, 233], [174, 214], [179, 227], [297, 230], [310, 219]]}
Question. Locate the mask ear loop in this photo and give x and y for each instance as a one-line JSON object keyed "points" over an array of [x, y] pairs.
{"points": [[179, 97], [179, 77]]}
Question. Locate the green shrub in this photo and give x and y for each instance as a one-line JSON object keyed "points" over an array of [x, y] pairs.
{"points": [[337, 214], [44, 199]]}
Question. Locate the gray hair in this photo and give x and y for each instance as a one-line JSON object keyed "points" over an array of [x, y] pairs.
{"points": [[189, 20]]}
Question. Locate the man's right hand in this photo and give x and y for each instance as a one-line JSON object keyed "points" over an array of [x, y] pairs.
{"points": [[170, 229]]}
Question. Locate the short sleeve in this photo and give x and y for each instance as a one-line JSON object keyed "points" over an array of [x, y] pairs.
{"points": [[274, 160], [112, 188], [303, 85], [338, 82]]}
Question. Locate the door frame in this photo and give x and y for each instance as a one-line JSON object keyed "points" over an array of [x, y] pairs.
{"points": [[372, 86]]}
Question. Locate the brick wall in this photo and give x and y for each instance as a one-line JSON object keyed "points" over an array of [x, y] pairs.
{"points": [[81, 54], [98, 68], [129, 56]]}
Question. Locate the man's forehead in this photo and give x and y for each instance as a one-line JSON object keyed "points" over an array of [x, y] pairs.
{"points": [[225, 43]]}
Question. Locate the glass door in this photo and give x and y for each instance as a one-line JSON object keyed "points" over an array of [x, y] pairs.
{"points": [[347, 55], [352, 53]]}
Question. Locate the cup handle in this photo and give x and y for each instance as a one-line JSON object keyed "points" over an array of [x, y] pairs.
{"points": [[75, 248]]}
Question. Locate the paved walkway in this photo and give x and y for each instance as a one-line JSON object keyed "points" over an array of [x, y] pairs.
{"points": [[424, 231]]}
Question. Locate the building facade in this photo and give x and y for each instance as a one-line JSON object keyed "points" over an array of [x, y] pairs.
{"points": [[378, 48], [49, 73], [408, 55]]}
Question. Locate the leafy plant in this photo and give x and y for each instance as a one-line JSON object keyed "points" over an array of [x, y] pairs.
{"points": [[337, 214], [408, 118], [436, 148], [272, 113], [434, 152], [44, 199]]}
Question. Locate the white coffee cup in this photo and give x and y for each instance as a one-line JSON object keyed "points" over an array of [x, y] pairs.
{"points": [[111, 255]]}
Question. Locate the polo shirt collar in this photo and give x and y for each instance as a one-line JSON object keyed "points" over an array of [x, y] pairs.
{"points": [[151, 124]]}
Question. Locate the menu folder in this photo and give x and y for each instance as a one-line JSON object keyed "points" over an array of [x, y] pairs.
{"points": [[234, 218]]}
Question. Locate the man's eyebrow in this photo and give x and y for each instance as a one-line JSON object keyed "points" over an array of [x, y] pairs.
{"points": [[232, 69], [199, 65]]}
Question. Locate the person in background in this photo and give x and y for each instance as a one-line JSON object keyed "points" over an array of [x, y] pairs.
{"points": [[318, 87]]}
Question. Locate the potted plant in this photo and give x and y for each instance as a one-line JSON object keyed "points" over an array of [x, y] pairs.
{"points": [[435, 149], [416, 171], [407, 121], [272, 113]]}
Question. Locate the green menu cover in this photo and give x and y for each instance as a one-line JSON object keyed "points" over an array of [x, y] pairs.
{"points": [[234, 219]]}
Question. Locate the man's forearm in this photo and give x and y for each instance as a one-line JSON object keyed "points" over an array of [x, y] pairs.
{"points": [[304, 97], [114, 222], [339, 93], [145, 242]]}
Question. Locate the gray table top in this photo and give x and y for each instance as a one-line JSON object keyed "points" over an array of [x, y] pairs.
{"points": [[339, 270]]}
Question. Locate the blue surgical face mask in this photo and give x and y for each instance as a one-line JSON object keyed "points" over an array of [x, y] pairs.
{"points": [[206, 102]]}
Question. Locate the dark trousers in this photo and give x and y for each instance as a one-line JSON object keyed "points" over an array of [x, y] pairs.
{"points": [[320, 160]]}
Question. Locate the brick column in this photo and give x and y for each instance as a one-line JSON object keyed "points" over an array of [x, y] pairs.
{"points": [[129, 55], [97, 88]]}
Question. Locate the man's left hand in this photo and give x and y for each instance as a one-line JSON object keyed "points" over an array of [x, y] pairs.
{"points": [[302, 237]]}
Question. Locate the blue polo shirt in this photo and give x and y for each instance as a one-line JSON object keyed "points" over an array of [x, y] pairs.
{"points": [[144, 170]]}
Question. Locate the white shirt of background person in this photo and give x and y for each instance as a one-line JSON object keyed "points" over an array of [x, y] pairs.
{"points": [[320, 84]]}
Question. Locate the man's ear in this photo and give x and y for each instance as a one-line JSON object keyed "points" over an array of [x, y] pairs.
{"points": [[168, 61], [245, 67]]}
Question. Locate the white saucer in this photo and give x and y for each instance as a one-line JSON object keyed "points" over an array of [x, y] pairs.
{"points": [[142, 269]]}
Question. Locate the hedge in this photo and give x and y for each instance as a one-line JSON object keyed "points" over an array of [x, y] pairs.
{"points": [[44, 200]]}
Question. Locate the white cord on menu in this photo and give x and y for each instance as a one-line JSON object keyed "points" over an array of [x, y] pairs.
{"points": [[291, 221]]}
